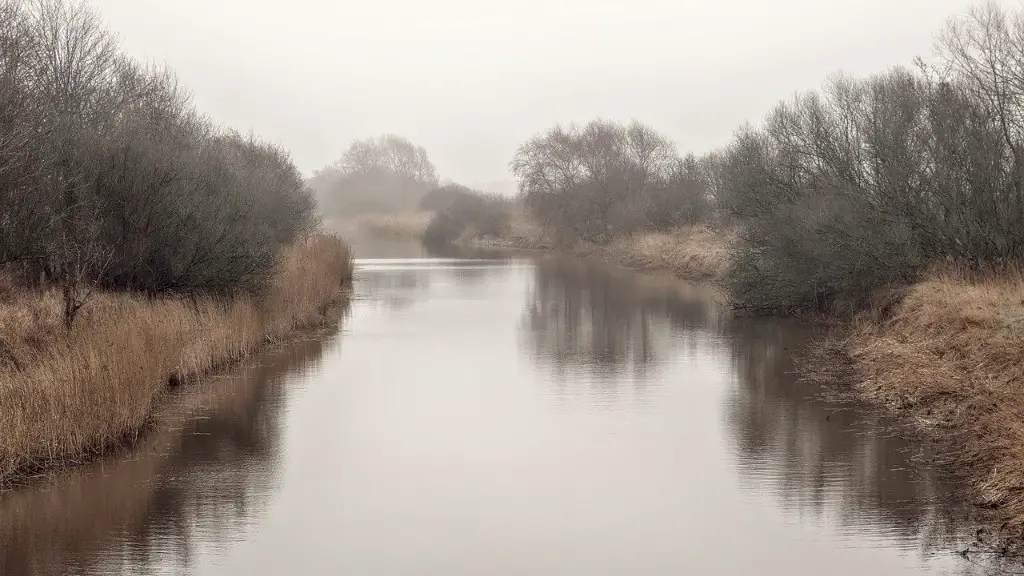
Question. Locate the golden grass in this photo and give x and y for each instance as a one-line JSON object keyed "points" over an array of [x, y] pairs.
{"points": [[67, 395], [950, 355], [698, 253], [70, 523], [523, 233], [402, 225]]}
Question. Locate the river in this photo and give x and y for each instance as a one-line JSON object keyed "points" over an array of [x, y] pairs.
{"points": [[505, 416]]}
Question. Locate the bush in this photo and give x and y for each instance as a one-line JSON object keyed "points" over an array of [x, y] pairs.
{"points": [[838, 193], [605, 180], [110, 177], [862, 186], [443, 197], [471, 214]]}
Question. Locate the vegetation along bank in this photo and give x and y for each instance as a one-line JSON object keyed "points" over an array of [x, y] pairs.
{"points": [[141, 245]]}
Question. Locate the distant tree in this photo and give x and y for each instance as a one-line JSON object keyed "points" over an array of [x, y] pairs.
{"points": [[384, 174], [594, 182], [442, 197], [391, 154], [464, 211]]}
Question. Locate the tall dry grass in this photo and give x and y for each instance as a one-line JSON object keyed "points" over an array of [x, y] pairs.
{"points": [[950, 355], [698, 253], [407, 225], [67, 395]]}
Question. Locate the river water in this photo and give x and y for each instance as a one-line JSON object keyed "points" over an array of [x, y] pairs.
{"points": [[504, 416]]}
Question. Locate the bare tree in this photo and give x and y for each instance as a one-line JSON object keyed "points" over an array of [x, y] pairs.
{"points": [[110, 177], [595, 182], [383, 174]]}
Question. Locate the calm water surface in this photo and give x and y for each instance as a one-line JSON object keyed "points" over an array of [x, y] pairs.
{"points": [[507, 417]]}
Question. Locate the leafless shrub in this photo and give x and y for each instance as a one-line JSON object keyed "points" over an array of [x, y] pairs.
{"points": [[109, 176], [605, 180], [864, 184]]}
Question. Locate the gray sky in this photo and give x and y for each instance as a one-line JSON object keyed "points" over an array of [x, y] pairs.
{"points": [[471, 79]]}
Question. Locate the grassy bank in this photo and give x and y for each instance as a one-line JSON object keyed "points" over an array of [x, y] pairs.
{"points": [[74, 523], [66, 395], [698, 253], [405, 225], [949, 356]]}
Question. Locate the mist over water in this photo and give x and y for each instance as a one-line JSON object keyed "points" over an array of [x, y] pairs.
{"points": [[505, 416]]}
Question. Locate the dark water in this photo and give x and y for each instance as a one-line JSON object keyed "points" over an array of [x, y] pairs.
{"points": [[527, 416]]}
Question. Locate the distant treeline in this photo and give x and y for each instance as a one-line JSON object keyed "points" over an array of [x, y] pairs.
{"points": [[377, 175], [109, 175], [837, 193]]}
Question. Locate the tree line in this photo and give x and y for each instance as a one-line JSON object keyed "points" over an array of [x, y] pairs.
{"points": [[376, 175], [838, 192], [109, 176]]}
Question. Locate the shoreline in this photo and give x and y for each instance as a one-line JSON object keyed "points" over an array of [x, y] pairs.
{"points": [[945, 358], [69, 397], [318, 328]]}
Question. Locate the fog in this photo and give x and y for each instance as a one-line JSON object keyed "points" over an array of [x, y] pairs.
{"points": [[470, 80]]}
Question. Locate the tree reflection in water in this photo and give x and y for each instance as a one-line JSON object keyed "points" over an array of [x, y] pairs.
{"points": [[211, 466], [837, 465]]}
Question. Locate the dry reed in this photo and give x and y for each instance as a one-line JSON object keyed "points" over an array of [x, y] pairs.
{"points": [[698, 253], [950, 355], [68, 395], [402, 225]]}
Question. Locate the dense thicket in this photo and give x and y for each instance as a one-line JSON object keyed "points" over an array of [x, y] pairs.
{"points": [[378, 175], [864, 184], [839, 192], [108, 174]]}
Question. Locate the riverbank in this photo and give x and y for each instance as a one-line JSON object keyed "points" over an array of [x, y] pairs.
{"points": [[945, 354], [67, 396], [948, 356], [404, 226], [698, 253]]}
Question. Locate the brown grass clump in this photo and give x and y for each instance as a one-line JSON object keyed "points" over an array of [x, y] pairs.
{"points": [[698, 253], [523, 233], [403, 225], [67, 395], [951, 356]]}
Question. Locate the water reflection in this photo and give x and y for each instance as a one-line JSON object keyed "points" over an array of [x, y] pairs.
{"points": [[837, 466], [829, 463], [604, 321], [391, 290], [203, 477]]}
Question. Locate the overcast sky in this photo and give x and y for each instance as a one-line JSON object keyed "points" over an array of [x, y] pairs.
{"points": [[471, 79]]}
